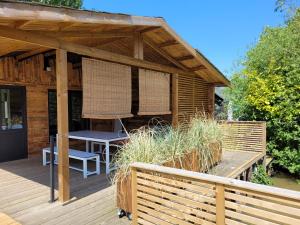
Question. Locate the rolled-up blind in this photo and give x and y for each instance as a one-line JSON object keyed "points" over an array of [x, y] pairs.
{"points": [[106, 90], [154, 92]]}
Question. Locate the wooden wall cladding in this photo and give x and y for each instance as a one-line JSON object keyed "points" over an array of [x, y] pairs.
{"points": [[192, 97], [30, 73], [37, 118]]}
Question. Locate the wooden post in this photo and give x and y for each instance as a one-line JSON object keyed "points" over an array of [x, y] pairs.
{"points": [[62, 125], [138, 49], [220, 204], [174, 100], [134, 195]]}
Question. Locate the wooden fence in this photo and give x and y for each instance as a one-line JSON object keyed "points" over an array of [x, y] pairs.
{"points": [[167, 196], [244, 135]]}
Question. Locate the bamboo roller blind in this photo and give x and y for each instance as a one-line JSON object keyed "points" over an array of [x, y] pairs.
{"points": [[154, 93], [106, 90]]}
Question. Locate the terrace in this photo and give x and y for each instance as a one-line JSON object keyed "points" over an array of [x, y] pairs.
{"points": [[25, 190]]}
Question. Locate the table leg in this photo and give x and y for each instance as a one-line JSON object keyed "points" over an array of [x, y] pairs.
{"points": [[87, 147], [92, 147], [107, 157]]}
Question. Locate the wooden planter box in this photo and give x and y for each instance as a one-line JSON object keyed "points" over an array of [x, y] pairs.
{"points": [[189, 162]]}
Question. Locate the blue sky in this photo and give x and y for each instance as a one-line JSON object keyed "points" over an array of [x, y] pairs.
{"points": [[221, 29]]}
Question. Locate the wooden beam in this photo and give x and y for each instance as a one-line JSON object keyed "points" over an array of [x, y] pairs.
{"points": [[108, 42], [21, 23], [163, 53], [197, 68], [55, 43], [81, 34], [168, 43], [183, 58], [32, 53], [138, 46], [149, 30], [62, 125]]}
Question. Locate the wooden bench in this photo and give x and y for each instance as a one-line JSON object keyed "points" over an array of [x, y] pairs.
{"points": [[78, 155]]}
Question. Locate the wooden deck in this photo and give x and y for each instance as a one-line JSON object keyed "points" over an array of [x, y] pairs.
{"points": [[24, 192], [236, 162], [24, 196]]}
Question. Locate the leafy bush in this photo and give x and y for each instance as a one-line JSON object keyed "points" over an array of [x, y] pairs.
{"points": [[260, 176], [268, 88]]}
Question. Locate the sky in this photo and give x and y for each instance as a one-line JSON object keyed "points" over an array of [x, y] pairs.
{"points": [[222, 30]]}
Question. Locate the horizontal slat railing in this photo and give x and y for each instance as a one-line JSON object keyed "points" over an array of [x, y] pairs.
{"points": [[163, 195], [244, 135]]}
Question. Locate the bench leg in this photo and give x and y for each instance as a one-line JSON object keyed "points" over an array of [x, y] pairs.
{"points": [[98, 164], [85, 169], [44, 158]]}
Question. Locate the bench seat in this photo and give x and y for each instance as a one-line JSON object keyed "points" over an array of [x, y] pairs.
{"points": [[78, 155]]}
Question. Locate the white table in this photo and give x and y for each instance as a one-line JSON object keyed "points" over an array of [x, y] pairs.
{"points": [[100, 137]]}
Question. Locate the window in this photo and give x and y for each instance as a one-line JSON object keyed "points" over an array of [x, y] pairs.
{"points": [[11, 108], [76, 122]]}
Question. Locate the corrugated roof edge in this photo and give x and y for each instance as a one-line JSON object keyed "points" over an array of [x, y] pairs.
{"points": [[65, 7]]}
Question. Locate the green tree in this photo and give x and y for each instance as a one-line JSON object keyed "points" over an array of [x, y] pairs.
{"points": [[268, 88], [76, 4]]}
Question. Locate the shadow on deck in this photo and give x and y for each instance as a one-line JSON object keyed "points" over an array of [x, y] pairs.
{"points": [[25, 192]]}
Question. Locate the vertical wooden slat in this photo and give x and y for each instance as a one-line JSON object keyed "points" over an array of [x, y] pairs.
{"points": [[134, 195], [174, 100], [264, 137], [62, 125], [220, 204], [211, 100], [193, 96]]}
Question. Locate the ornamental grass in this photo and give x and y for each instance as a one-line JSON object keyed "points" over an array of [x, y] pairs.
{"points": [[162, 144]]}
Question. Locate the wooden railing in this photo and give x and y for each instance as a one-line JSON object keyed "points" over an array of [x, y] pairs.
{"points": [[163, 195], [244, 135]]}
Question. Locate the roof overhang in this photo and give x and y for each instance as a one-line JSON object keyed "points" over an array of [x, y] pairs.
{"points": [[65, 21]]}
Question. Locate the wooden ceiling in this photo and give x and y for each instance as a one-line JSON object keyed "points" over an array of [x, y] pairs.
{"points": [[111, 32]]}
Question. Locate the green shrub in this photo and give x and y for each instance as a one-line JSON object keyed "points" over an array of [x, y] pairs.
{"points": [[260, 176]]}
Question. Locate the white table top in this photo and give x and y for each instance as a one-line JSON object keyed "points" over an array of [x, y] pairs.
{"points": [[100, 136]]}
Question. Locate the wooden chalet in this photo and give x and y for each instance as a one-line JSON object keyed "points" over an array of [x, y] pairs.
{"points": [[65, 70], [47, 53]]}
